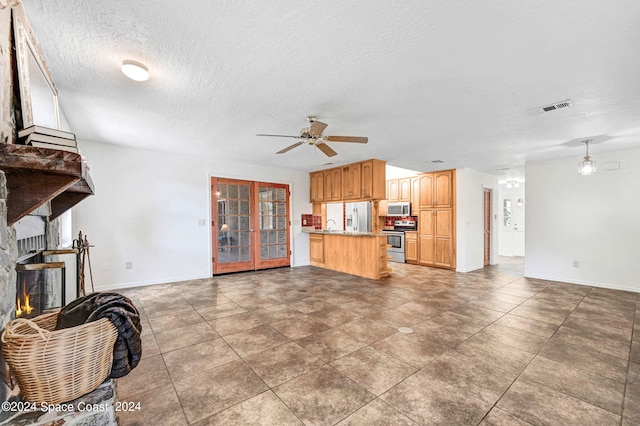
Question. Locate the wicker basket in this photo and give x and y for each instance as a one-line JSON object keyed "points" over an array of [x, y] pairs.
{"points": [[58, 366]]}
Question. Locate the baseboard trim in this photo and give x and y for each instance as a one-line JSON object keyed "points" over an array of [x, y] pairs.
{"points": [[583, 282], [121, 286]]}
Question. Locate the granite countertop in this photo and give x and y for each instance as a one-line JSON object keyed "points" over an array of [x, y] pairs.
{"points": [[346, 233]]}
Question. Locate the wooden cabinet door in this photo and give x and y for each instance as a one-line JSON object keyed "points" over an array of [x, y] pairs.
{"points": [[382, 207], [404, 189], [366, 179], [316, 248], [426, 190], [411, 247], [316, 182], [393, 190], [443, 226], [443, 188], [351, 182], [426, 238], [415, 196], [373, 180], [333, 185], [337, 184]]}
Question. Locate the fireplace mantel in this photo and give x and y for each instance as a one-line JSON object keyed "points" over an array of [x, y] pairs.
{"points": [[36, 176]]}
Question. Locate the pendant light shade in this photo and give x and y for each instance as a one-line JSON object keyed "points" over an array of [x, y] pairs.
{"points": [[135, 70], [587, 166]]}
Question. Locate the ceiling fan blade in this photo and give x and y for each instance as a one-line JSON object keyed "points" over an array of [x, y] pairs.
{"points": [[290, 147], [354, 139], [280, 136], [326, 149], [317, 127]]}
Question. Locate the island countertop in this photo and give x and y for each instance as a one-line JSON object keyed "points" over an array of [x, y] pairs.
{"points": [[347, 233]]}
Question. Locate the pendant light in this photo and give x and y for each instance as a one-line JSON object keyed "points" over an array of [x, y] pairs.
{"points": [[587, 166]]}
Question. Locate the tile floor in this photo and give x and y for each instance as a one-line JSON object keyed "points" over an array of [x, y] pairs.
{"points": [[304, 345]]}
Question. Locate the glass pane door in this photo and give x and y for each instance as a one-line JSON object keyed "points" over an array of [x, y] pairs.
{"points": [[273, 213], [232, 226], [250, 225]]}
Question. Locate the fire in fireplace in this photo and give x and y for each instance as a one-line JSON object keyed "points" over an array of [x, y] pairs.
{"points": [[40, 287]]}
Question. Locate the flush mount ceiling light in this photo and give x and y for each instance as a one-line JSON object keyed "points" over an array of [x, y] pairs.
{"points": [[135, 70], [587, 166]]}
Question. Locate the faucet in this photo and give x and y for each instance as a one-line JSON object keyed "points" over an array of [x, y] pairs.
{"points": [[328, 227]]}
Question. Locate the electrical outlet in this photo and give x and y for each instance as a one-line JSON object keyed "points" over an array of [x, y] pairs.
{"points": [[107, 267], [128, 265], [201, 222], [576, 263]]}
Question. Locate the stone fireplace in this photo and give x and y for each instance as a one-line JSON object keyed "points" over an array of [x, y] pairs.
{"points": [[37, 185]]}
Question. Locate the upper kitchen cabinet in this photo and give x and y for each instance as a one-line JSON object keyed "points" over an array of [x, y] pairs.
{"points": [[352, 181], [436, 189], [333, 185], [393, 191], [399, 190], [316, 183], [415, 196], [374, 180]]}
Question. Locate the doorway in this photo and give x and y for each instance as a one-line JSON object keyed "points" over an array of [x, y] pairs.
{"points": [[511, 228], [249, 226], [487, 227]]}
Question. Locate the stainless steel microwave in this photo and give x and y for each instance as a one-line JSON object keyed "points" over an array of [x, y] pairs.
{"points": [[399, 209]]}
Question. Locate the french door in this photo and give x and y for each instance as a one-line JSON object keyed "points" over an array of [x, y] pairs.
{"points": [[250, 225]]}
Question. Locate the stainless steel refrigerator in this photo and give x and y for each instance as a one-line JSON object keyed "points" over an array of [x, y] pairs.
{"points": [[358, 216]]}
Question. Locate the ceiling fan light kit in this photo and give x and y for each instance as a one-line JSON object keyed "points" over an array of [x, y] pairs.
{"points": [[313, 135]]}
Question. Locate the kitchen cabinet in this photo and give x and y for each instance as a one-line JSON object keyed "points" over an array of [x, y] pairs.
{"points": [[436, 238], [352, 181], [316, 249], [382, 207], [411, 246], [316, 186], [404, 190], [333, 184], [399, 190], [373, 180], [393, 191], [436, 189], [415, 196], [362, 181]]}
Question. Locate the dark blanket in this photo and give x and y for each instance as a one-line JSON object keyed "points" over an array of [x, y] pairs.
{"points": [[124, 316]]}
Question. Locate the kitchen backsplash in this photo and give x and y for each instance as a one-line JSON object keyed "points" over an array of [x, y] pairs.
{"points": [[388, 220]]}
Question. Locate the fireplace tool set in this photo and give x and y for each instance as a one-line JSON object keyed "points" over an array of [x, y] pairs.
{"points": [[82, 245]]}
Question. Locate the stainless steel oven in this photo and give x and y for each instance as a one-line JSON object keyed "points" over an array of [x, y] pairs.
{"points": [[395, 238], [395, 249]]}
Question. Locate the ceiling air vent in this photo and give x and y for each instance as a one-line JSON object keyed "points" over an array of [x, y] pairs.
{"points": [[552, 107]]}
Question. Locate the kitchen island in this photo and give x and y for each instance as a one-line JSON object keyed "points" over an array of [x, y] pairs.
{"points": [[358, 253]]}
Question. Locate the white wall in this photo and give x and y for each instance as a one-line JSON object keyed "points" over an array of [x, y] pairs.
{"points": [[146, 211], [470, 185], [592, 219]]}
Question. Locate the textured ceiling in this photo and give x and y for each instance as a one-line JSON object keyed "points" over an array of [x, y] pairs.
{"points": [[424, 80]]}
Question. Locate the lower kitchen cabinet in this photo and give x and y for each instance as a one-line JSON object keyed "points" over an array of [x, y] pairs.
{"points": [[316, 248], [411, 247], [436, 238]]}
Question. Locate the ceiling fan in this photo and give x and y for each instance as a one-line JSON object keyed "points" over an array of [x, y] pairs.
{"points": [[313, 136]]}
